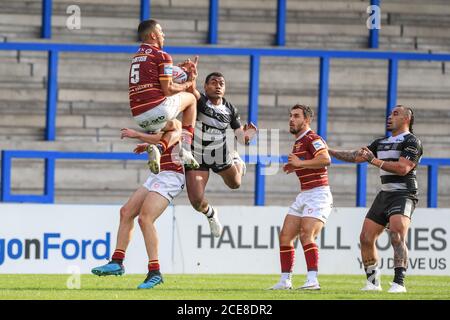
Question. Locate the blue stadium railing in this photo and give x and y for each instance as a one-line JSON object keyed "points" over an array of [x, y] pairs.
{"points": [[255, 55], [145, 13], [261, 162]]}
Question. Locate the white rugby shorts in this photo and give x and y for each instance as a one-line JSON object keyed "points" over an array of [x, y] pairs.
{"points": [[169, 184], [314, 203], [156, 118]]}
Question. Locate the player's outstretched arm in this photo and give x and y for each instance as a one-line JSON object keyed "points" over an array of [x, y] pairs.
{"points": [[169, 88], [347, 155], [144, 137], [193, 89], [321, 160], [191, 67], [401, 167]]}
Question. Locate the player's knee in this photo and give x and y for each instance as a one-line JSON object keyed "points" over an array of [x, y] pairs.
{"points": [[197, 204], [192, 100], [176, 124], [306, 236], [234, 184], [285, 239], [188, 101], [365, 239], [396, 238], [197, 200], [172, 125], [125, 213], [143, 221]]}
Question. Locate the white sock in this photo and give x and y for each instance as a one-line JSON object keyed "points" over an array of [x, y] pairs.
{"points": [[373, 274], [209, 212], [285, 276], [311, 275]]}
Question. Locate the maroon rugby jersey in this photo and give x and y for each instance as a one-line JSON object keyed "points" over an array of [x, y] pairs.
{"points": [[170, 160], [149, 65], [306, 147]]}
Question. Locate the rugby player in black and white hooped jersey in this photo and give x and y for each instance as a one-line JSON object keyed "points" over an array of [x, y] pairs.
{"points": [[214, 115], [397, 157]]}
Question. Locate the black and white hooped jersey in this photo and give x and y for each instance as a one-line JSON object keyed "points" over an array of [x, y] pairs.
{"points": [[404, 145], [212, 121]]}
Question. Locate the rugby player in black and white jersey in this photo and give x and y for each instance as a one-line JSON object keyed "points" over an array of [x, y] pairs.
{"points": [[214, 115], [397, 157]]}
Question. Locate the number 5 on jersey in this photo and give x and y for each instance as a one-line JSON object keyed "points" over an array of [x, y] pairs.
{"points": [[134, 74]]}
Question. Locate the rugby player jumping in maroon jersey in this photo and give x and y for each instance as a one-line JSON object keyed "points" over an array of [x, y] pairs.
{"points": [[155, 100]]}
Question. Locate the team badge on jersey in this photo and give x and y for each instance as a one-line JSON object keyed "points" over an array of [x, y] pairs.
{"points": [[168, 70], [412, 149], [318, 144]]}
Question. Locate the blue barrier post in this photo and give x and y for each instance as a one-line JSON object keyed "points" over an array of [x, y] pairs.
{"points": [[52, 95], [260, 184], [254, 89], [46, 27], [361, 184], [322, 113], [49, 179], [392, 86], [253, 117], [374, 32], [6, 176], [432, 197], [213, 21], [145, 9], [281, 23]]}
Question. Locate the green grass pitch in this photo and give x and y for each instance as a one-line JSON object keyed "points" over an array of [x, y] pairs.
{"points": [[214, 287]]}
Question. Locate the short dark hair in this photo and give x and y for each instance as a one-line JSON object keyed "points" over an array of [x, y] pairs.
{"points": [[307, 111], [213, 74], [410, 113], [145, 27]]}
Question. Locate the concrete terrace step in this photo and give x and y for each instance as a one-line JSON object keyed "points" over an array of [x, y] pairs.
{"points": [[309, 18], [282, 71]]}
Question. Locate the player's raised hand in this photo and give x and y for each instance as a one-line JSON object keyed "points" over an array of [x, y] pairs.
{"points": [[140, 148], [128, 133], [188, 65], [249, 132], [185, 65], [193, 73]]}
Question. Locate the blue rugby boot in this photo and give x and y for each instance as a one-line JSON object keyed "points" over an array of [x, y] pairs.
{"points": [[112, 268], [153, 279]]}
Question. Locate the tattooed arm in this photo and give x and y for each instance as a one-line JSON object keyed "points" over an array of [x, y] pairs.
{"points": [[347, 155]]}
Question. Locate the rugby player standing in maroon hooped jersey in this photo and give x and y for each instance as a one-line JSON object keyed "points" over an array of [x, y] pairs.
{"points": [[308, 214]]}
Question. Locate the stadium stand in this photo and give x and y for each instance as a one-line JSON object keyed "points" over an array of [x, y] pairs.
{"points": [[93, 101]]}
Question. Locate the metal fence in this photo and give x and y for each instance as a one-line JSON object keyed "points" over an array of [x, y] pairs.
{"points": [[213, 19], [261, 161], [254, 55]]}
